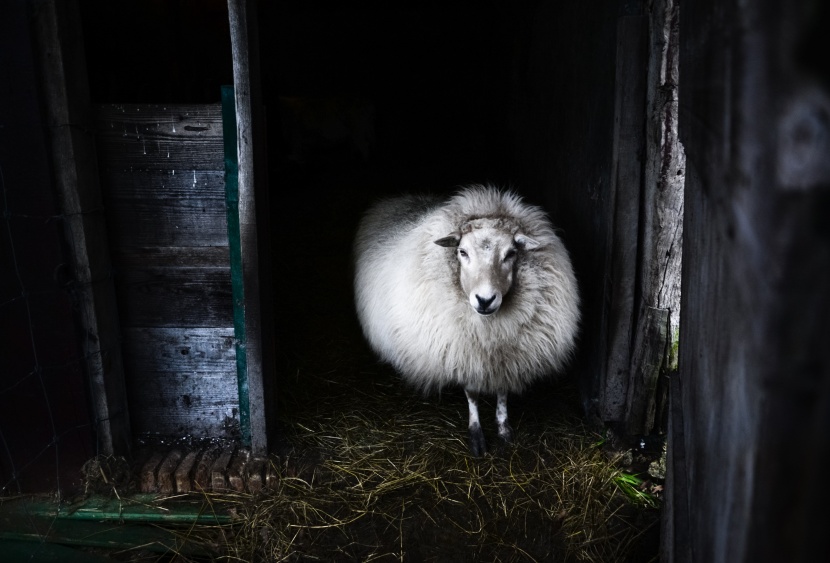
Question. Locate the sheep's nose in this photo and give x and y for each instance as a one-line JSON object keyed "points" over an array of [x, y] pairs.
{"points": [[484, 303]]}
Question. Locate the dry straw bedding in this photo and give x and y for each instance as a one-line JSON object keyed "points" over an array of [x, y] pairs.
{"points": [[372, 471]]}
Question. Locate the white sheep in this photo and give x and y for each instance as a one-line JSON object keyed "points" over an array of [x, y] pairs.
{"points": [[477, 290]]}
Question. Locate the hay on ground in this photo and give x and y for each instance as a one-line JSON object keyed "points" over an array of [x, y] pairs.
{"points": [[376, 472]]}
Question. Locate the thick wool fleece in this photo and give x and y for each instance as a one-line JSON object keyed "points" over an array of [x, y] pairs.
{"points": [[416, 316]]}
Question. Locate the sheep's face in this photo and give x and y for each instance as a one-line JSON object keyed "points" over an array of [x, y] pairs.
{"points": [[487, 259]]}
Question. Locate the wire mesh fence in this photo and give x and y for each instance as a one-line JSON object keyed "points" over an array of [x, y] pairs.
{"points": [[46, 427]]}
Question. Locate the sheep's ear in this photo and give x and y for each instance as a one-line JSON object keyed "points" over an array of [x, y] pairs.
{"points": [[526, 242], [449, 241]]}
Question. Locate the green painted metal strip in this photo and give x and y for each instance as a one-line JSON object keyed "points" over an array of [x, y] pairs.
{"points": [[235, 242], [145, 521], [142, 508]]}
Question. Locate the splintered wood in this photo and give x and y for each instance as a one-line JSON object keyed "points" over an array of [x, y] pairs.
{"points": [[208, 469]]}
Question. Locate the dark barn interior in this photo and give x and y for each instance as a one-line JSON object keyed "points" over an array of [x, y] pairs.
{"points": [[422, 93], [646, 130], [444, 96]]}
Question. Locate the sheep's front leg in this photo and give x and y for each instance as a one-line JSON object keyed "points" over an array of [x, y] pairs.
{"points": [[477, 445], [505, 431]]}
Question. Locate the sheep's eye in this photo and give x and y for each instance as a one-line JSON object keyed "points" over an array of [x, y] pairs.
{"points": [[462, 252], [510, 254]]}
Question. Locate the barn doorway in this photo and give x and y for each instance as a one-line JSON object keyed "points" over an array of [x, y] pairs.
{"points": [[363, 103], [369, 102], [572, 104], [584, 125]]}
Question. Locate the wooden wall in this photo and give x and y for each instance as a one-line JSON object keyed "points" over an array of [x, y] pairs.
{"points": [[593, 123], [562, 121], [162, 174], [748, 436]]}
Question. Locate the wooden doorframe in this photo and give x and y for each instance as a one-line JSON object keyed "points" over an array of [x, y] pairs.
{"points": [[253, 222], [63, 76]]}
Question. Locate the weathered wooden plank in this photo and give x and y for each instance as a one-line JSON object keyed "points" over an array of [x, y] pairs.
{"points": [[161, 257], [180, 350], [627, 166], [163, 171], [194, 413], [676, 546], [167, 222], [132, 154], [253, 219], [146, 137], [661, 226], [160, 184], [647, 360], [755, 399], [191, 404], [183, 381], [174, 287], [175, 297], [182, 121]]}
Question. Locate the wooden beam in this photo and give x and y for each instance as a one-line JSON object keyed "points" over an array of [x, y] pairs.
{"points": [[754, 374], [647, 362], [661, 231], [627, 174], [66, 102], [675, 544], [253, 215], [237, 270]]}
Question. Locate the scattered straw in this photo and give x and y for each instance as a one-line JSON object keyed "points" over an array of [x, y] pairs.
{"points": [[375, 472], [371, 471], [107, 475]]}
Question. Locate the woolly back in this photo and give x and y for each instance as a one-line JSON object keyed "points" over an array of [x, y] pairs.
{"points": [[417, 318]]}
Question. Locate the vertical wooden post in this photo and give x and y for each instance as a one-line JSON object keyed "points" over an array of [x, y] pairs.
{"points": [[253, 218], [657, 312], [235, 254], [754, 375], [644, 285], [66, 102], [627, 178]]}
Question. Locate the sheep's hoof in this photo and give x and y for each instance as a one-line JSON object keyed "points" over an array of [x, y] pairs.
{"points": [[506, 433], [478, 446]]}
